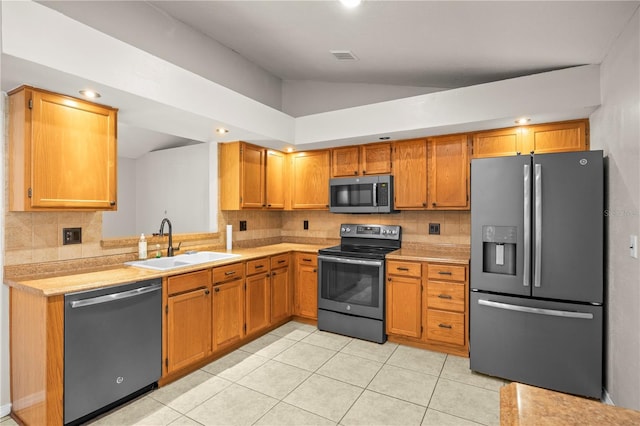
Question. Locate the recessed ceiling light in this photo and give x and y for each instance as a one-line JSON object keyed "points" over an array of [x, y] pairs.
{"points": [[289, 149], [90, 94], [222, 130], [523, 120], [351, 3]]}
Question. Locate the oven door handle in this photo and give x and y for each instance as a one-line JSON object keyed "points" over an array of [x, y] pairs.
{"points": [[351, 260]]}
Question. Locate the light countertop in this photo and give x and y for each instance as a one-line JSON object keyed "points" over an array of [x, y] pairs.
{"points": [[524, 405], [69, 282]]}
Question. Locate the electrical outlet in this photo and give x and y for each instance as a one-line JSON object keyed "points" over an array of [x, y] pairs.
{"points": [[434, 229], [243, 225], [71, 236], [633, 246], [305, 224]]}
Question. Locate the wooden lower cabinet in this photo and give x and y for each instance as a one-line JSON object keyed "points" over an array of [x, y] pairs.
{"points": [[257, 296], [404, 299], [228, 305], [428, 305], [188, 323], [281, 291], [306, 286]]}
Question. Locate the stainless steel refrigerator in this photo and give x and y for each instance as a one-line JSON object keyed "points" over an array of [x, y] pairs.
{"points": [[536, 301]]}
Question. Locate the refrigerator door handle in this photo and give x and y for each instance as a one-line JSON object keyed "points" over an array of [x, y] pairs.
{"points": [[538, 241], [527, 226], [537, 311]]}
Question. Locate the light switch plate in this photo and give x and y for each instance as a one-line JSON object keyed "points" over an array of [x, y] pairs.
{"points": [[633, 246]]}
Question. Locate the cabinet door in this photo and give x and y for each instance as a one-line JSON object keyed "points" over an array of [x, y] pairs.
{"points": [[188, 328], [258, 302], [404, 306], [410, 172], [306, 290], [345, 161], [228, 313], [275, 180], [448, 172], [280, 295], [376, 159], [557, 137], [310, 180], [73, 154], [498, 143], [253, 163]]}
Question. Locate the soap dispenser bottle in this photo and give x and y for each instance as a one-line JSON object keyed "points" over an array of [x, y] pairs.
{"points": [[142, 247]]}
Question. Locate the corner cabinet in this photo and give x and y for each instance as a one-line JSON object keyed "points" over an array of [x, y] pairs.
{"points": [[62, 153], [251, 177]]}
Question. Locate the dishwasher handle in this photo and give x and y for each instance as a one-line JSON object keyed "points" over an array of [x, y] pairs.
{"points": [[115, 296]]}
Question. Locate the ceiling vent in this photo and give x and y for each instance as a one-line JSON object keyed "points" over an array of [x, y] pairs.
{"points": [[344, 55]]}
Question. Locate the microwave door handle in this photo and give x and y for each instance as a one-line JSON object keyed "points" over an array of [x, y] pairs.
{"points": [[375, 195]]}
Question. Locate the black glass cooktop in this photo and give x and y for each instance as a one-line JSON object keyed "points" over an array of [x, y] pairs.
{"points": [[359, 251]]}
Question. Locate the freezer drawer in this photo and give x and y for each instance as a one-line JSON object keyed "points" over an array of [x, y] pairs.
{"points": [[547, 344]]}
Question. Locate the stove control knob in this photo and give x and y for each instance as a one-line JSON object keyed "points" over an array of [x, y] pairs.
{"points": [[348, 229], [394, 232], [384, 231], [343, 229]]}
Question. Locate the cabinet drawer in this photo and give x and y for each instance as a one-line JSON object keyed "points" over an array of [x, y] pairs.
{"points": [[307, 259], [228, 272], [186, 282], [407, 269], [447, 272], [257, 266], [446, 296], [280, 261], [446, 327]]}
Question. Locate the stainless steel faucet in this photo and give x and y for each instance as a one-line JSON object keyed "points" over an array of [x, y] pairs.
{"points": [[170, 248]]}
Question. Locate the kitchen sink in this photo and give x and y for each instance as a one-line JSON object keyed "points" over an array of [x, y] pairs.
{"points": [[182, 260]]}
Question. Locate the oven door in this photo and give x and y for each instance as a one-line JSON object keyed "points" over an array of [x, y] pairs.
{"points": [[351, 286]]}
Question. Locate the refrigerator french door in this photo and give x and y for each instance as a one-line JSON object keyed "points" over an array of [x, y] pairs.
{"points": [[537, 270]]}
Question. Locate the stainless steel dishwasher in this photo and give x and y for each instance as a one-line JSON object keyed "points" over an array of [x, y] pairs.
{"points": [[112, 346]]}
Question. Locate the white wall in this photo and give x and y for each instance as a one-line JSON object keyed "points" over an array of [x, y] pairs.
{"points": [[5, 400], [301, 97], [175, 183], [140, 24], [615, 128], [122, 223]]}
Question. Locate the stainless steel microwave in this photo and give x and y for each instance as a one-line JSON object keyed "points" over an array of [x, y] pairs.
{"points": [[367, 194]]}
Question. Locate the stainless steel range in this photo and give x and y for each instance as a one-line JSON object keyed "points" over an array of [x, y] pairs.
{"points": [[351, 297]]}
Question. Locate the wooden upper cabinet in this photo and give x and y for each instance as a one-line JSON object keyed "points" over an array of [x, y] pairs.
{"points": [[541, 138], [310, 180], [371, 159], [497, 143], [556, 137], [251, 177], [62, 153], [275, 179], [252, 160], [448, 172], [410, 174]]}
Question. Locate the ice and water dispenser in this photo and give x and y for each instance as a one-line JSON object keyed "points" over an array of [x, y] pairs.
{"points": [[499, 249]]}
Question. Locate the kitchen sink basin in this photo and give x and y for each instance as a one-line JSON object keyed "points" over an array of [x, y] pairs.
{"points": [[182, 260]]}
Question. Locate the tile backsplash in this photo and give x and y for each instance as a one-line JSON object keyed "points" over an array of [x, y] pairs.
{"points": [[37, 237]]}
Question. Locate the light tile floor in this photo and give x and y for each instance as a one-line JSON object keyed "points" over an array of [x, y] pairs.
{"points": [[298, 375]]}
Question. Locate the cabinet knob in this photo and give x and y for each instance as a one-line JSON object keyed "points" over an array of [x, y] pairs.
{"points": [[112, 203], [355, 172], [264, 205], [424, 204], [268, 275], [433, 204], [268, 205], [389, 279], [364, 172], [315, 270], [273, 274], [217, 290], [206, 291]]}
